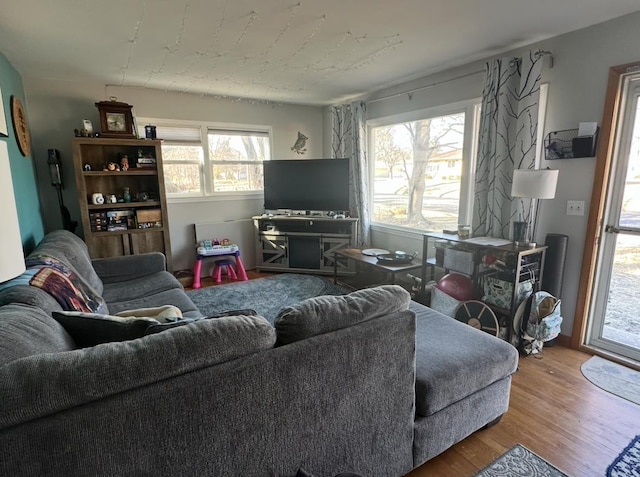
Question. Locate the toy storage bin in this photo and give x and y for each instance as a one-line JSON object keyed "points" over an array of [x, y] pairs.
{"points": [[498, 290]]}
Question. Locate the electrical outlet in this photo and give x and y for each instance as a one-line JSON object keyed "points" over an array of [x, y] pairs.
{"points": [[575, 207]]}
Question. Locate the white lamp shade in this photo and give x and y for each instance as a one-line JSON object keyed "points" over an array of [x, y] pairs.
{"points": [[11, 253], [534, 183]]}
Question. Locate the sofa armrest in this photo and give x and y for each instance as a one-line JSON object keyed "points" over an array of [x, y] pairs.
{"points": [[129, 267], [42, 385]]}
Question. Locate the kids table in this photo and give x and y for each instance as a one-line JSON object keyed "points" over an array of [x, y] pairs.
{"points": [[219, 251]]}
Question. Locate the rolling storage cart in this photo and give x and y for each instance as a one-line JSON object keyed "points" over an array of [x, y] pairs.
{"points": [[502, 273]]}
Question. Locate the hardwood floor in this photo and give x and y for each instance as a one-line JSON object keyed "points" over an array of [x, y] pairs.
{"points": [[555, 412]]}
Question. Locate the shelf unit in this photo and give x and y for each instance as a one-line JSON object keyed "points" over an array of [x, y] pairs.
{"points": [[513, 264], [146, 186], [304, 243]]}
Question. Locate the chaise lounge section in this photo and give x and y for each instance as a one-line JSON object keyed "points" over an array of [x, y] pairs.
{"points": [[370, 383]]}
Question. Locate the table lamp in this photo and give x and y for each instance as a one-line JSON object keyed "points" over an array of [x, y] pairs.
{"points": [[532, 184], [11, 253]]}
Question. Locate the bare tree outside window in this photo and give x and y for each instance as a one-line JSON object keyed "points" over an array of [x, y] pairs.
{"points": [[424, 193], [236, 160]]}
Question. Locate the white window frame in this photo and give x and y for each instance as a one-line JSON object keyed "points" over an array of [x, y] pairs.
{"points": [[471, 108], [207, 193]]}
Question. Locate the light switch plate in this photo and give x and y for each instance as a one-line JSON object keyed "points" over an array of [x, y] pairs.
{"points": [[575, 207]]}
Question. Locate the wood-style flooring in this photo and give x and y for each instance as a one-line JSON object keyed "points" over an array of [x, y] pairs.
{"points": [[554, 411]]}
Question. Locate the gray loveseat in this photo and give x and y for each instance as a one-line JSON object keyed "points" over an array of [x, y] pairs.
{"points": [[377, 392]]}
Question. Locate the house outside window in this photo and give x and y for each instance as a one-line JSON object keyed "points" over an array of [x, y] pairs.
{"points": [[422, 167], [209, 160]]}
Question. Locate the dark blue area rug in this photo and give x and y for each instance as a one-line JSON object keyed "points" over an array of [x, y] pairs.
{"points": [[627, 464], [267, 296]]}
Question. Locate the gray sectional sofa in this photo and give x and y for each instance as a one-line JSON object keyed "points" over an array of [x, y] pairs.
{"points": [[369, 383]]}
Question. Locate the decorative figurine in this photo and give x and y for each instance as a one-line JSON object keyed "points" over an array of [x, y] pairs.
{"points": [[301, 142], [87, 167], [124, 163]]}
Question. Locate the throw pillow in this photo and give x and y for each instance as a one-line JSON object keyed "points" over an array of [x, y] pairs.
{"points": [[90, 329], [157, 328], [323, 314]]}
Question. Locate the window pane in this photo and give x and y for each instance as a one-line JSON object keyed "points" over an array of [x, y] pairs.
{"points": [[182, 178], [237, 177], [418, 169], [238, 147], [182, 153], [630, 211]]}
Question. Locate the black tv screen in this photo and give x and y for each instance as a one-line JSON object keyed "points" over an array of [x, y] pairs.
{"points": [[307, 184]]}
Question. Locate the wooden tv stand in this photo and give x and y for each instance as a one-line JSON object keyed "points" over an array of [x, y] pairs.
{"points": [[302, 243]]}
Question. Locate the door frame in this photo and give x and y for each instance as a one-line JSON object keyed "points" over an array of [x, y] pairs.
{"points": [[601, 177]]}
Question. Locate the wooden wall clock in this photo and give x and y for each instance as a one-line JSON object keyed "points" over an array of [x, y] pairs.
{"points": [[20, 126], [116, 119]]}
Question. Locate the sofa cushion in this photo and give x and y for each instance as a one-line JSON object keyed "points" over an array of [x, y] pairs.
{"points": [[323, 314], [28, 295], [141, 287], [455, 360], [71, 250], [90, 374], [27, 331], [90, 329], [175, 296]]}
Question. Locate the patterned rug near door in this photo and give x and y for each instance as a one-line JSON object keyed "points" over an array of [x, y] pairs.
{"points": [[613, 378], [627, 464], [522, 462], [267, 296]]}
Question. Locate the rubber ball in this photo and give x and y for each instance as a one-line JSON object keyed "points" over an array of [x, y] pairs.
{"points": [[456, 286]]}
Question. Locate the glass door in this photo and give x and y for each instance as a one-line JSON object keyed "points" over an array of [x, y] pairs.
{"points": [[614, 323]]}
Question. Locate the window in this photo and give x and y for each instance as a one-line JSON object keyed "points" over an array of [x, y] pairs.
{"points": [[236, 159], [207, 160], [423, 166]]}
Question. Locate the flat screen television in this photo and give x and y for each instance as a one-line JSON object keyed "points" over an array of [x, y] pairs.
{"points": [[306, 184]]}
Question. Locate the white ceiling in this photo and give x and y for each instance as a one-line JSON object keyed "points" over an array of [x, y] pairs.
{"points": [[299, 51]]}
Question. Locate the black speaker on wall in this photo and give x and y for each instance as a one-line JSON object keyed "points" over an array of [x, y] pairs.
{"points": [[554, 262]]}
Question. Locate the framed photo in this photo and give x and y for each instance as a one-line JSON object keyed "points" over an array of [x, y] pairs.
{"points": [[4, 132]]}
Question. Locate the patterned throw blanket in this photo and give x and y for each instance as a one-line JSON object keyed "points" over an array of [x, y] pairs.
{"points": [[59, 281]]}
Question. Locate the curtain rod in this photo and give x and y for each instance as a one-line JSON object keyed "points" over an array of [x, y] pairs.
{"points": [[411, 91]]}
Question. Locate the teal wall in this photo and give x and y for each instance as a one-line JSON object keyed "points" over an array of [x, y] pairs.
{"points": [[22, 168]]}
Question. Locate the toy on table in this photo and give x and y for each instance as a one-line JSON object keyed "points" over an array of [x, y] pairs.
{"points": [[216, 247]]}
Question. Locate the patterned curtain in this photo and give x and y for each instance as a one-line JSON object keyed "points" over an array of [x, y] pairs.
{"points": [[349, 139], [508, 131]]}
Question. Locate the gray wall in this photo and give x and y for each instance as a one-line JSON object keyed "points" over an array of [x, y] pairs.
{"points": [[55, 108]]}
